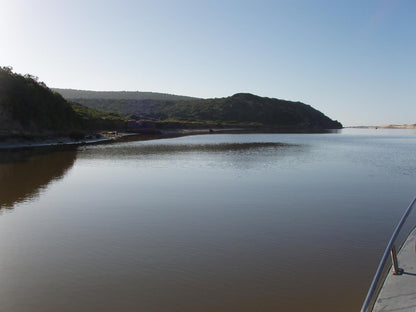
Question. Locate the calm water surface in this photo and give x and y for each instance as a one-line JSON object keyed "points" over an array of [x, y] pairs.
{"points": [[242, 222]]}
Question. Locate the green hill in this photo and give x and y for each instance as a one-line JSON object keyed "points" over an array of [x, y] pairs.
{"points": [[29, 106], [73, 94], [239, 109]]}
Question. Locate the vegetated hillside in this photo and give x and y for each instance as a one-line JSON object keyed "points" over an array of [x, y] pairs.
{"points": [[27, 105], [73, 95], [241, 109], [93, 119]]}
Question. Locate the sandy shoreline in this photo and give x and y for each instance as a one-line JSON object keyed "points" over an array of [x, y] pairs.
{"points": [[385, 127]]}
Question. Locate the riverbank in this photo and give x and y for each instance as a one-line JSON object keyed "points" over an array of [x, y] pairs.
{"points": [[24, 141]]}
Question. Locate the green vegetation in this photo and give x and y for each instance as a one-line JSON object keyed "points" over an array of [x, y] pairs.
{"points": [[93, 119], [115, 95], [29, 106], [241, 109]]}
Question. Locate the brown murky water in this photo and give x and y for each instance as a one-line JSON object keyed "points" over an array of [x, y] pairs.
{"points": [[253, 222]]}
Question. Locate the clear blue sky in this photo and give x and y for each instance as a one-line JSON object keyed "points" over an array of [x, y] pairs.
{"points": [[353, 60]]}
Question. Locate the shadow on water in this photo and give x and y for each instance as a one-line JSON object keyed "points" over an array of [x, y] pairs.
{"points": [[23, 174]]}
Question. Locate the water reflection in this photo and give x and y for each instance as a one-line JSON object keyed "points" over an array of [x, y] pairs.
{"points": [[137, 148], [23, 174], [188, 153]]}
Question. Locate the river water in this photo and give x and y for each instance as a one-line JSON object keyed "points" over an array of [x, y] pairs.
{"points": [[219, 222]]}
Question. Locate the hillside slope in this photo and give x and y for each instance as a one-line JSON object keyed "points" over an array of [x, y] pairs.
{"points": [[29, 106], [72, 94], [241, 108]]}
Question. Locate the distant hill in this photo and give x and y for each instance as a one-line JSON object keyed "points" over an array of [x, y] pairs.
{"points": [[72, 94], [241, 109], [29, 106]]}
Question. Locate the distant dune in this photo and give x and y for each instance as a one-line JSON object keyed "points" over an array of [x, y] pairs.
{"points": [[413, 126]]}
